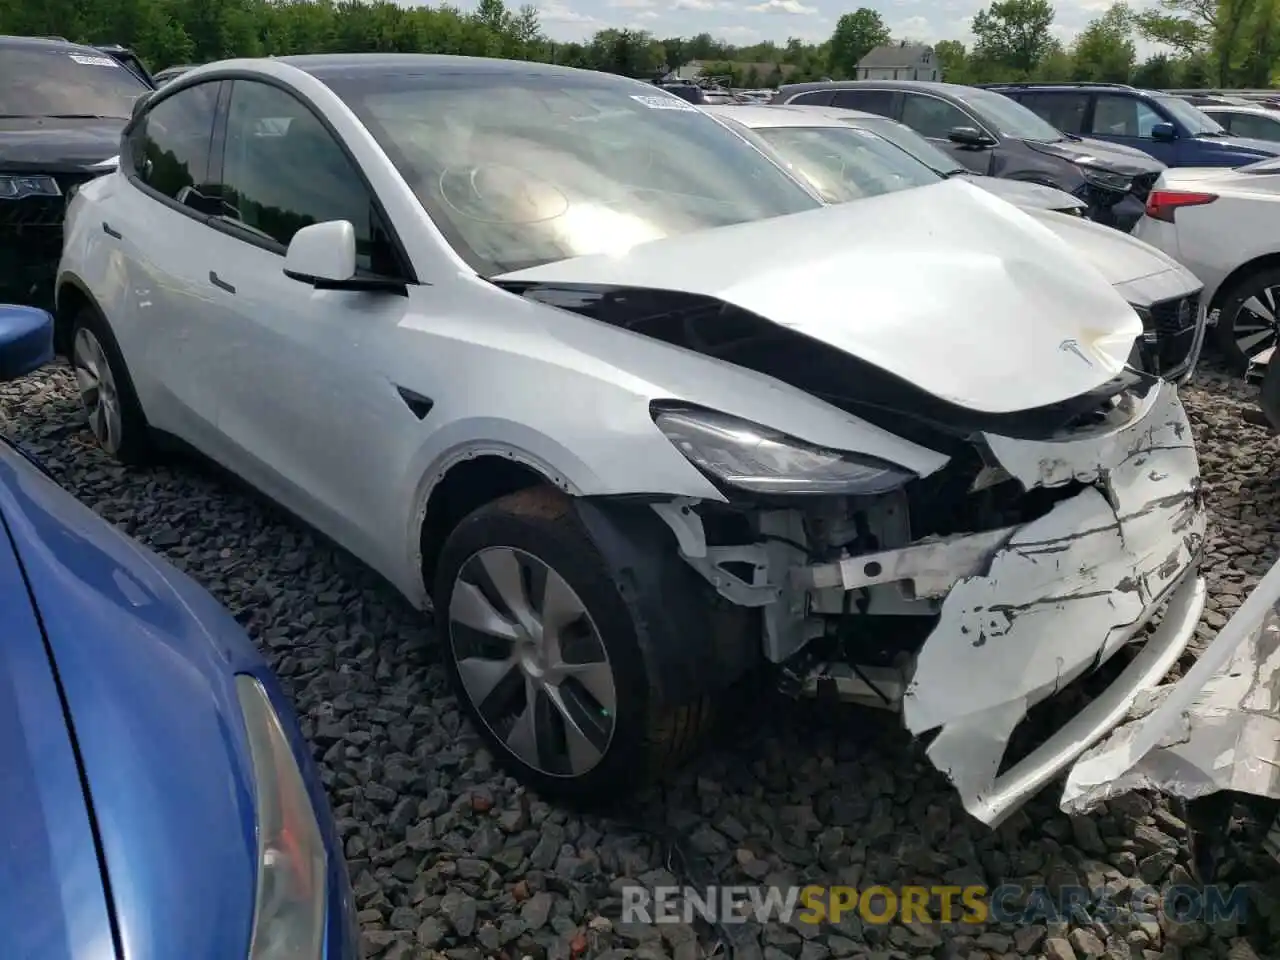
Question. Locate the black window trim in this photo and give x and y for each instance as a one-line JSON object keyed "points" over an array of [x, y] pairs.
{"points": [[217, 149], [962, 107]]}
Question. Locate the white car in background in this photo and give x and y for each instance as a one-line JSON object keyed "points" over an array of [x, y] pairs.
{"points": [[568, 360], [846, 155], [1246, 120], [1223, 224]]}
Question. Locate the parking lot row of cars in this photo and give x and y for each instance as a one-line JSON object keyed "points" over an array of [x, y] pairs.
{"points": [[642, 399]]}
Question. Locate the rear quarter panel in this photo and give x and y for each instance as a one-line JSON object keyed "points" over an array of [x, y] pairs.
{"points": [[1237, 228]]}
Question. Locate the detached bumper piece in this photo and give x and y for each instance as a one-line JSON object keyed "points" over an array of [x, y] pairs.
{"points": [[1029, 609], [1172, 337]]}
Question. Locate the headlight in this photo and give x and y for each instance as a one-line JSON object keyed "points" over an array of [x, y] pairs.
{"points": [[13, 187], [289, 910], [1105, 179], [755, 458]]}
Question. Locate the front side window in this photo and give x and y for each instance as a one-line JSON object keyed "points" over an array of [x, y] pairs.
{"points": [[521, 169], [168, 145], [1115, 116], [931, 117], [39, 81], [846, 163], [282, 170]]}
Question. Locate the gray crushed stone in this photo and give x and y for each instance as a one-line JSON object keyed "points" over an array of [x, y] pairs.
{"points": [[450, 857]]}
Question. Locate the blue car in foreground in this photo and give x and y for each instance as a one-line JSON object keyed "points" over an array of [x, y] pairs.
{"points": [[157, 800]]}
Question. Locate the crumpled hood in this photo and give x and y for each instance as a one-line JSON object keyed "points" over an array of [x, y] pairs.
{"points": [[1030, 196], [1118, 256], [1099, 153], [48, 145], [944, 286]]}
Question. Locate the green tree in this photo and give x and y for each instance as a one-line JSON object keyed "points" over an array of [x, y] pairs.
{"points": [[952, 60], [1013, 35], [1104, 51], [856, 35]]}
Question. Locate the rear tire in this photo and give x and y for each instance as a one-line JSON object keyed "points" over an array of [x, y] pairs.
{"points": [[1244, 328], [106, 390], [518, 579]]}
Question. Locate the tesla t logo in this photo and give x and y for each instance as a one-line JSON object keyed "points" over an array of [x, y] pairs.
{"points": [[1070, 346]]}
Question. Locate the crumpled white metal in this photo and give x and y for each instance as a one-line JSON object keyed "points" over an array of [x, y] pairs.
{"points": [[1061, 596], [1218, 728]]}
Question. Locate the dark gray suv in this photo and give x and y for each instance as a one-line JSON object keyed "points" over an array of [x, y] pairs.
{"points": [[992, 135]]}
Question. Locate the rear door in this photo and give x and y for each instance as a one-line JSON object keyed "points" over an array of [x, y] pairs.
{"points": [[1128, 120], [935, 118]]}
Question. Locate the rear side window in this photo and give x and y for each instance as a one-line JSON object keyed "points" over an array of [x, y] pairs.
{"points": [[168, 146], [1250, 125], [814, 98], [40, 81], [1065, 110], [931, 117], [868, 101]]}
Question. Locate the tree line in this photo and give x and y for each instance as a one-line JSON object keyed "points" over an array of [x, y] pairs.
{"points": [[1230, 43]]}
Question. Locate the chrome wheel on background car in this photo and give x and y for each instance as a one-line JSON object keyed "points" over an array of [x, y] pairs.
{"points": [[1249, 318], [532, 662], [98, 392]]}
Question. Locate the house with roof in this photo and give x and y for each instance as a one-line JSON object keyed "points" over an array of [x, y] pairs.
{"points": [[900, 61]]}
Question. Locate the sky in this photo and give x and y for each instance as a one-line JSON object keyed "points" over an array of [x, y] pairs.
{"points": [[752, 21]]}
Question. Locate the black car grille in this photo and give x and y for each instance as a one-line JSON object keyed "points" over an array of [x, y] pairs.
{"points": [[31, 242], [1142, 185], [1169, 334]]}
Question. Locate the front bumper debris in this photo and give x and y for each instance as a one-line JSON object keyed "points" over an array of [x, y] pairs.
{"points": [[1029, 609], [1216, 729]]}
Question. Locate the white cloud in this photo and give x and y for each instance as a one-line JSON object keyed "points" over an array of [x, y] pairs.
{"points": [[631, 4], [554, 12], [794, 7], [697, 4]]}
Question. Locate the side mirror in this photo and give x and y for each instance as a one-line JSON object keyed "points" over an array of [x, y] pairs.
{"points": [[323, 255], [26, 341], [1163, 131], [969, 137]]}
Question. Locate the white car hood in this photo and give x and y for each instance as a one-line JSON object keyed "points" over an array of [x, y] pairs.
{"points": [[945, 286], [1032, 196]]}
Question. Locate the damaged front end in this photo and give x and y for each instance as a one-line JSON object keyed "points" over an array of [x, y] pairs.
{"points": [[965, 598], [1209, 738]]}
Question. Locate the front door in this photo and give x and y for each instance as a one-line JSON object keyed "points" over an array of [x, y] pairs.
{"points": [[1128, 121], [935, 118]]}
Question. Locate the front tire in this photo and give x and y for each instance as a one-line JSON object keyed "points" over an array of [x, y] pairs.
{"points": [[1248, 318], [106, 390], [543, 655]]}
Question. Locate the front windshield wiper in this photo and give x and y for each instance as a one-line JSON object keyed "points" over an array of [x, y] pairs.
{"points": [[1211, 133], [957, 172]]}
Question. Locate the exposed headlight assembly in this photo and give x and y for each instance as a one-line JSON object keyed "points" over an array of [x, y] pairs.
{"points": [[289, 910], [14, 187], [1106, 179], [751, 457]]}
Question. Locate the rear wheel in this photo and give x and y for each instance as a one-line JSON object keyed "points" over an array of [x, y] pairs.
{"points": [[1248, 318], [544, 655]]}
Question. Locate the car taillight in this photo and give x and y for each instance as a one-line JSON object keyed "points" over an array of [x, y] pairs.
{"points": [[1162, 203]]}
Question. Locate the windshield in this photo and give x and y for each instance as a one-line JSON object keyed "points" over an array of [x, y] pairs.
{"points": [[523, 169], [65, 82], [1010, 117], [904, 138], [845, 163], [1192, 117]]}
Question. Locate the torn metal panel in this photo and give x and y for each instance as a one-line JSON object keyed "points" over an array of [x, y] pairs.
{"points": [[1063, 594], [1216, 729]]}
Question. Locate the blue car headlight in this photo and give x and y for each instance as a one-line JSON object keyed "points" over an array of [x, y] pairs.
{"points": [[289, 909], [16, 187], [1106, 179], [755, 458]]}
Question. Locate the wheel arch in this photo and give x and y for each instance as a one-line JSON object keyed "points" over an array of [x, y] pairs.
{"points": [[70, 296], [1268, 261]]}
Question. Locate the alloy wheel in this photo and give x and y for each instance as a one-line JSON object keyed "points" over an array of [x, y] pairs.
{"points": [[531, 661], [1256, 322], [98, 393]]}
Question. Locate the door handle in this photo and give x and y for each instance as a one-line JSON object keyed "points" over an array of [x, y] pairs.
{"points": [[107, 229], [221, 284]]}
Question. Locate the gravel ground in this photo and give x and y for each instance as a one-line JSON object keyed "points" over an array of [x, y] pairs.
{"points": [[449, 856]]}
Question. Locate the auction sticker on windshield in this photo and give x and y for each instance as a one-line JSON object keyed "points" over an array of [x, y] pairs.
{"points": [[93, 61], [663, 103]]}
